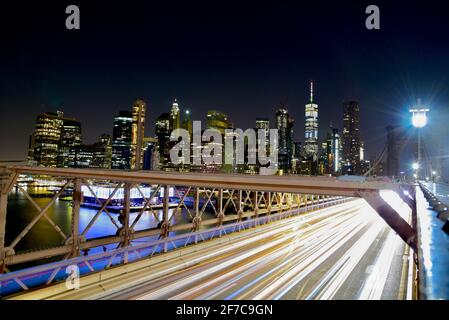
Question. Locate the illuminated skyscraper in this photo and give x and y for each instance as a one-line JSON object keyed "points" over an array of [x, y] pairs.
{"points": [[103, 153], [217, 120], [332, 152], [53, 137], [264, 124], [311, 127], [162, 130], [150, 150], [137, 134], [121, 140], [351, 138], [97, 155], [283, 125], [70, 138], [336, 151], [175, 116]]}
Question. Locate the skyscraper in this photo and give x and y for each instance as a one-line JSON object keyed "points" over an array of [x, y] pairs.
{"points": [[70, 138], [282, 125], [103, 152], [217, 120], [97, 155], [290, 144], [137, 133], [332, 152], [311, 127], [175, 116], [336, 151], [150, 145], [297, 149], [351, 138], [264, 124], [121, 140], [54, 135], [162, 130]]}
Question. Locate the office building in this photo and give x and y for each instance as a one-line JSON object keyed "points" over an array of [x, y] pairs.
{"points": [[311, 127], [137, 133], [163, 131], [351, 138], [175, 116], [121, 140], [70, 138], [284, 125], [53, 136], [217, 120]]}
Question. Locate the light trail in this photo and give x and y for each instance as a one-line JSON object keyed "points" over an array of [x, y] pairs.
{"points": [[312, 256]]}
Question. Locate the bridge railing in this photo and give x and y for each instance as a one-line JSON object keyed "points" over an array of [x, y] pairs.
{"points": [[212, 204], [22, 280]]}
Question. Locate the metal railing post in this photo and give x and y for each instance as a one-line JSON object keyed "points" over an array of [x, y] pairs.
{"points": [[3, 206], [197, 217], [220, 209], [240, 209], [77, 198], [269, 203], [7, 181], [165, 223], [256, 203]]}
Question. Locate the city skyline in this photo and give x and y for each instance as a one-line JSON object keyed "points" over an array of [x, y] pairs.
{"points": [[224, 151], [230, 60]]}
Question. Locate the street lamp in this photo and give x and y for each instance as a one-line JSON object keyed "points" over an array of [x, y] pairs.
{"points": [[419, 121]]}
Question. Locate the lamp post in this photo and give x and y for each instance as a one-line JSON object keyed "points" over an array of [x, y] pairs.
{"points": [[419, 121]]}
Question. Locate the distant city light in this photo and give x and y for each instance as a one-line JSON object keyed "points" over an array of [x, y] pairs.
{"points": [[415, 166]]}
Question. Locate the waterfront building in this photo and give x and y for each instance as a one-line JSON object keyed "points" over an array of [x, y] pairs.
{"points": [[52, 138], [70, 138]]}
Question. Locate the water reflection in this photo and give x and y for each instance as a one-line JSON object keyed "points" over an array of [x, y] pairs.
{"points": [[21, 212]]}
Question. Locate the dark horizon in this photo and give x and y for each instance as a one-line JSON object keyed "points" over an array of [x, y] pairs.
{"points": [[245, 60]]}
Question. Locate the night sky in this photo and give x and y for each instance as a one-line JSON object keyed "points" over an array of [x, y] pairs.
{"points": [[243, 59]]}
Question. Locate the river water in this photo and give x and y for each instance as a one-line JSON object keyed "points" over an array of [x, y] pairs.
{"points": [[21, 212]]}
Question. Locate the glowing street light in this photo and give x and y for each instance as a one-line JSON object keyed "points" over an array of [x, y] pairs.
{"points": [[419, 117], [415, 166], [419, 121]]}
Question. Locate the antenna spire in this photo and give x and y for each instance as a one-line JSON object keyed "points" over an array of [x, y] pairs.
{"points": [[311, 91]]}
